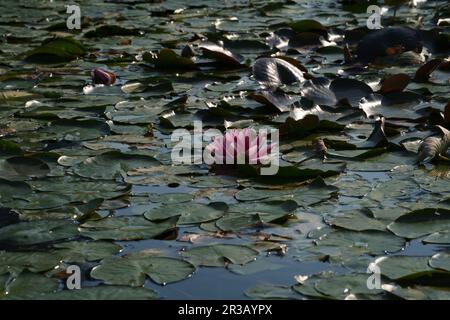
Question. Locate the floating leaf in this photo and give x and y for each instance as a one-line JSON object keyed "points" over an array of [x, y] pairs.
{"points": [[434, 147], [16, 262], [440, 261], [26, 286], [394, 83], [219, 255], [85, 251], [125, 228], [403, 267], [168, 59], [221, 54], [422, 222], [341, 286], [33, 232], [424, 72], [110, 30], [418, 292], [270, 292], [188, 214], [131, 270], [110, 164], [274, 72], [104, 292], [55, 51]]}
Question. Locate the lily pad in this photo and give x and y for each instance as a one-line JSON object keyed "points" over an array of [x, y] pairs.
{"points": [[34, 232], [189, 214], [125, 228], [131, 270], [219, 255]]}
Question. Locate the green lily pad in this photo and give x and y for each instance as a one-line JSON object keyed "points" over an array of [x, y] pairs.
{"points": [[108, 165], [341, 286], [356, 221], [104, 292], [26, 286], [16, 262], [55, 51], [247, 214], [125, 228], [440, 261], [403, 267], [131, 270], [271, 292], [316, 192], [20, 168], [419, 223], [33, 232], [441, 237], [9, 189], [371, 242], [218, 255], [189, 214], [85, 251]]}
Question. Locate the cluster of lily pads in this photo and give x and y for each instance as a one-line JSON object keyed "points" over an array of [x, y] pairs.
{"points": [[86, 175]]}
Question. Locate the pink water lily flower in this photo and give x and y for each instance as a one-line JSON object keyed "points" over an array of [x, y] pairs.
{"points": [[241, 146]]}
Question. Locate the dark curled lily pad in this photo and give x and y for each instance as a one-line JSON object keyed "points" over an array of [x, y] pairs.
{"points": [[221, 54], [34, 232], [394, 83], [55, 51], [219, 255], [388, 41], [18, 261], [132, 269], [189, 213], [350, 89], [435, 147], [424, 72], [275, 72]]}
